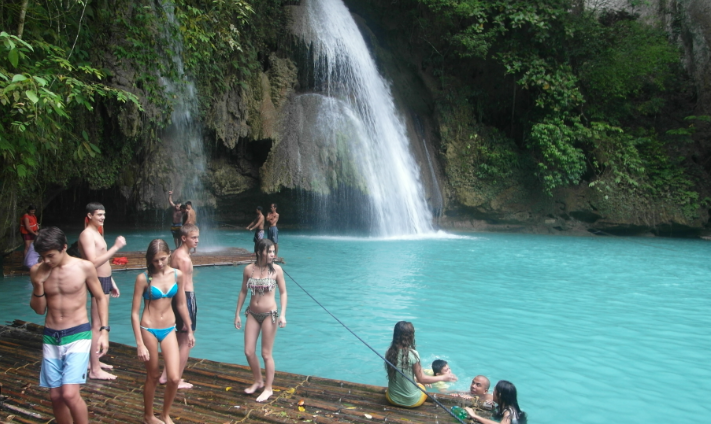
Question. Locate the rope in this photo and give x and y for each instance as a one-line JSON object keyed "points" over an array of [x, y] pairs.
{"points": [[375, 351]]}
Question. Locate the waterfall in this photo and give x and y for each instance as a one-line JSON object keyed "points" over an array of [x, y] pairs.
{"points": [[369, 136], [183, 137]]}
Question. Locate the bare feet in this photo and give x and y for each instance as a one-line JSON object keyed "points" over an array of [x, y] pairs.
{"points": [[101, 375], [103, 365], [181, 385], [265, 395], [184, 384], [152, 420], [254, 387], [167, 419]]}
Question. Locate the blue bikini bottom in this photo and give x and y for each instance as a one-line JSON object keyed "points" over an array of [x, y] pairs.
{"points": [[160, 333]]}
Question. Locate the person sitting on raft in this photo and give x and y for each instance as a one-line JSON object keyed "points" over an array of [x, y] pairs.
{"points": [[402, 354], [507, 409]]}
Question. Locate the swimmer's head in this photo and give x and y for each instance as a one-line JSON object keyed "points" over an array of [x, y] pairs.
{"points": [[505, 395], [189, 203], [259, 209], [440, 366], [480, 385]]}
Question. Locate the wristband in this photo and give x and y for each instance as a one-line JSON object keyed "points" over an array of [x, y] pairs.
{"points": [[40, 295]]}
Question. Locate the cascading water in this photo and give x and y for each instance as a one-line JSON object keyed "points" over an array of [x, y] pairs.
{"points": [[184, 134], [364, 126]]}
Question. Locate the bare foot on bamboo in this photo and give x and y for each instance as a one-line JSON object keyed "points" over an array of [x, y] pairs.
{"points": [[265, 395], [167, 419], [152, 420], [254, 387], [101, 375], [184, 384]]}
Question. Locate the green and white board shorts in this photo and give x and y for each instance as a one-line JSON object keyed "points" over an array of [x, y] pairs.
{"points": [[65, 356]]}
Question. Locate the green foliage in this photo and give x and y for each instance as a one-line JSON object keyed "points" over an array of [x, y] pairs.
{"points": [[39, 88], [590, 82]]}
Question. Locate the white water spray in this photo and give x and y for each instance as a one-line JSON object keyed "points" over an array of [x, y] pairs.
{"points": [[345, 70], [184, 134]]}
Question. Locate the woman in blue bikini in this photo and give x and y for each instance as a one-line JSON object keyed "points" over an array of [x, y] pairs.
{"points": [[156, 326], [261, 278]]}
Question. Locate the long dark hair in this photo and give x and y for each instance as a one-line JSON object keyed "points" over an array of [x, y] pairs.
{"points": [[154, 247], [403, 341], [506, 399], [260, 247]]}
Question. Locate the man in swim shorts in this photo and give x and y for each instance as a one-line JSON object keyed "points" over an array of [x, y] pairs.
{"points": [[59, 286], [180, 259], [258, 226], [93, 248], [273, 231], [177, 219]]}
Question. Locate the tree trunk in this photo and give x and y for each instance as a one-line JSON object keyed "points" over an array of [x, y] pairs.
{"points": [[21, 25]]}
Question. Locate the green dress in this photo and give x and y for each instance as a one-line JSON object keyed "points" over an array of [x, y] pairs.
{"points": [[400, 390]]}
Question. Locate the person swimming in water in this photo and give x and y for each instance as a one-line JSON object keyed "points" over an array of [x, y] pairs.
{"points": [[507, 409], [156, 326], [262, 279], [402, 354]]}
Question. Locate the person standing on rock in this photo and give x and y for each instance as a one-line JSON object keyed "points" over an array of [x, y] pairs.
{"points": [[258, 226], [59, 286], [177, 220], [273, 231], [93, 248]]}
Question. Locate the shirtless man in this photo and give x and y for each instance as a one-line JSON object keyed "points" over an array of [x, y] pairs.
{"points": [[92, 247], [177, 219], [180, 259], [480, 390], [258, 226], [190, 215], [273, 231], [59, 285]]}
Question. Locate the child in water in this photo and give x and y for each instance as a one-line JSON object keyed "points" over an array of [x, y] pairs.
{"points": [[439, 367]]}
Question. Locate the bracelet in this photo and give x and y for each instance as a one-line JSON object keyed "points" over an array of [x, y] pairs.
{"points": [[35, 295]]}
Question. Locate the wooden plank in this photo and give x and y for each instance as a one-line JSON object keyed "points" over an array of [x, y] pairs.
{"points": [[217, 396], [232, 256]]}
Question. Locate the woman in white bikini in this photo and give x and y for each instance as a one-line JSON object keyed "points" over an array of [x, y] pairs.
{"points": [[261, 278]]}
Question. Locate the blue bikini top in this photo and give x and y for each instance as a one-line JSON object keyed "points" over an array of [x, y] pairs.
{"points": [[156, 293]]}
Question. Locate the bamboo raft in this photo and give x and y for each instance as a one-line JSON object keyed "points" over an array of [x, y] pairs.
{"points": [[217, 395], [12, 265]]}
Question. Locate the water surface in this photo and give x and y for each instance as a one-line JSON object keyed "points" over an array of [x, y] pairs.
{"points": [[591, 330]]}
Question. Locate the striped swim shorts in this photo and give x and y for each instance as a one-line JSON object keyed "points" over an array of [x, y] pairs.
{"points": [[65, 356]]}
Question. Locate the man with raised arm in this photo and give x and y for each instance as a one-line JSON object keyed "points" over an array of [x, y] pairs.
{"points": [[180, 259], [93, 248], [177, 219], [273, 231], [59, 286], [258, 226]]}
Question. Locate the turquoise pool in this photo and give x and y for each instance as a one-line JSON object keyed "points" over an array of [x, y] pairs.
{"points": [[591, 330]]}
